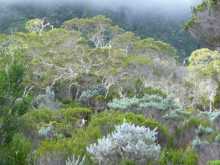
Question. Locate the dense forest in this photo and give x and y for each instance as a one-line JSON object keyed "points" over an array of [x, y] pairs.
{"points": [[86, 86]]}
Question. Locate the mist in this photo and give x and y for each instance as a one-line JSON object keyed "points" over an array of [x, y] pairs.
{"points": [[170, 7]]}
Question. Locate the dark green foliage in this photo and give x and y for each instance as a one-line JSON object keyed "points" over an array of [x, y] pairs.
{"points": [[178, 157], [22, 105], [16, 152], [13, 103], [9, 126], [14, 79], [12, 87], [10, 82]]}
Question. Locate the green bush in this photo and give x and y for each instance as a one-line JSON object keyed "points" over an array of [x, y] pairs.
{"points": [[214, 162], [22, 105], [63, 122], [196, 122], [12, 86], [191, 123], [217, 138], [16, 152], [178, 157], [9, 126], [100, 125], [154, 91], [11, 80]]}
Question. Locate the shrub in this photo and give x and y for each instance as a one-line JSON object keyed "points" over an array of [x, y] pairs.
{"points": [[53, 158], [95, 91], [204, 130], [178, 157], [34, 25], [146, 102], [217, 138], [157, 102], [16, 152], [46, 132], [196, 122], [214, 162], [126, 142], [154, 91], [106, 122], [100, 125], [197, 142], [124, 103], [50, 124], [177, 115], [22, 105], [212, 115]]}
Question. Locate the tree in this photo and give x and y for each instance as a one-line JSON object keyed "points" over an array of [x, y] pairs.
{"points": [[13, 98], [99, 30], [37, 25], [204, 67]]}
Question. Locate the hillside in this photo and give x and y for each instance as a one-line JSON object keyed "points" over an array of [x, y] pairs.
{"points": [[88, 92]]}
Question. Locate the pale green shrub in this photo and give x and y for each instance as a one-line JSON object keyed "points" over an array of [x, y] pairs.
{"points": [[146, 102]]}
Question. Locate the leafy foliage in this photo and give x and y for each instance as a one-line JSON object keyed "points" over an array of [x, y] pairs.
{"points": [[177, 157], [16, 152]]}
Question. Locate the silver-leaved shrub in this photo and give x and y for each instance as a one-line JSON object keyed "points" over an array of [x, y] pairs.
{"points": [[127, 142], [89, 93], [46, 131], [147, 102], [75, 161]]}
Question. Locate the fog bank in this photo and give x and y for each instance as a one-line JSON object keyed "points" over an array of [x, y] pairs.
{"points": [[175, 7]]}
